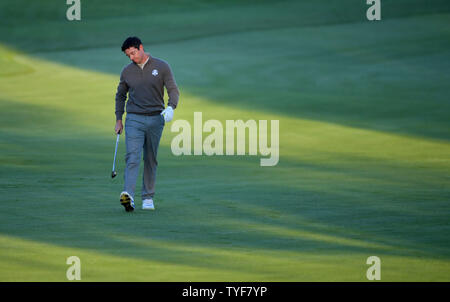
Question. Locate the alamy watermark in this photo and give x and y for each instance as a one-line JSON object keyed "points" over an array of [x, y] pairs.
{"points": [[374, 271], [374, 11], [74, 10], [74, 270], [213, 143]]}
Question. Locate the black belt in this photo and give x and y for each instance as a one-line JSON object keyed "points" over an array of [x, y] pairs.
{"points": [[148, 114]]}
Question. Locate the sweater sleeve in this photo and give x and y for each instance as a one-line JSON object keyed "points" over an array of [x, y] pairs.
{"points": [[121, 96], [171, 86]]}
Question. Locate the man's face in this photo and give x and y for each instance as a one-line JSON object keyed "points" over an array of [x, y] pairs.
{"points": [[136, 55]]}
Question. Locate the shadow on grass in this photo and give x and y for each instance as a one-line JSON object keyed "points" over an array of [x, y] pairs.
{"points": [[346, 77], [59, 191]]}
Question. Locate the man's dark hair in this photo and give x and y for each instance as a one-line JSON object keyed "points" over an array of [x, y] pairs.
{"points": [[131, 42]]}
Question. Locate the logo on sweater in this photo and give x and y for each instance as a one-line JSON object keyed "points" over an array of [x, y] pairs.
{"points": [[155, 72]]}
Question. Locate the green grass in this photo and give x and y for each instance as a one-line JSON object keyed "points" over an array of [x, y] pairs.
{"points": [[364, 143]]}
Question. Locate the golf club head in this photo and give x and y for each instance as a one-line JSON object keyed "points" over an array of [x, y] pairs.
{"points": [[113, 174]]}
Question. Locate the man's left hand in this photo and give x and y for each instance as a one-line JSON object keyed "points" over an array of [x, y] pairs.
{"points": [[167, 114]]}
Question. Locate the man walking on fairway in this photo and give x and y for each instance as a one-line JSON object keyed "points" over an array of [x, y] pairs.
{"points": [[144, 80]]}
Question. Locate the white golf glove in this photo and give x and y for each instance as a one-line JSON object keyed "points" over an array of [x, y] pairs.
{"points": [[167, 114]]}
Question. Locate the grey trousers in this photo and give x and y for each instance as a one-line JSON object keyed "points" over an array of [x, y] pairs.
{"points": [[142, 133]]}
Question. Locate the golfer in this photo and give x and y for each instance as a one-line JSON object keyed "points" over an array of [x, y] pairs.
{"points": [[144, 80]]}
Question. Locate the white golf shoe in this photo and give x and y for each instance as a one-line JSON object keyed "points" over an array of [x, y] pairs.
{"points": [[147, 204]]}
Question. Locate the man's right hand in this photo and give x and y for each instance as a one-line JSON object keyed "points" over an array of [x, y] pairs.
{"points": [[119, 127]]}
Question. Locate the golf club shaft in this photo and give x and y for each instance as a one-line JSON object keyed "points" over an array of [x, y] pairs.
{"points": [[115, 153]]}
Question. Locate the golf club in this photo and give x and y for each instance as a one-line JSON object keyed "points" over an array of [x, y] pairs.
{"points": [[114, 173]]}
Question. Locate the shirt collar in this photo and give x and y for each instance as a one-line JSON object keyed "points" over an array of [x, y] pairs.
{"points": [[146, 61]]}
